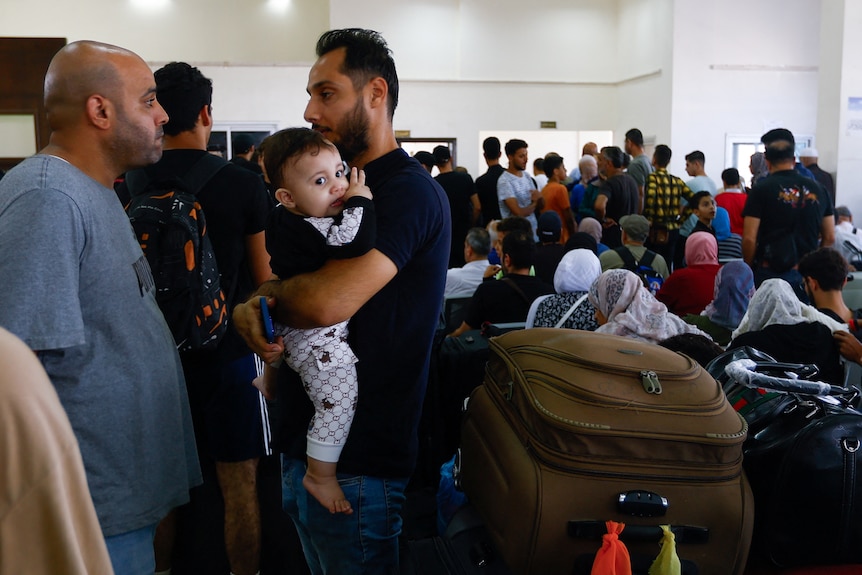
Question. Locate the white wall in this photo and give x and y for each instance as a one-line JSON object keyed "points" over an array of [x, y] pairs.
{"points": [[741, 67]]}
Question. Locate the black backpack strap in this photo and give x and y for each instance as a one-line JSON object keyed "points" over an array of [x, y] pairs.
{"points": [[648, 258], [511, 283], [203, 171], [629, 261]]}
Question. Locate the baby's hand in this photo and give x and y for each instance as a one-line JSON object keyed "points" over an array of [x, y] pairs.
{"points": [[357, 185]]}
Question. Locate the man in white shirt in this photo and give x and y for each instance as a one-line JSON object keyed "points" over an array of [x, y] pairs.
{"points": [[463, 281]]}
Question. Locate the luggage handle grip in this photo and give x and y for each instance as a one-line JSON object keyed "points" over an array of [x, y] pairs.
{"points": [[684, 534], [743, 371]]}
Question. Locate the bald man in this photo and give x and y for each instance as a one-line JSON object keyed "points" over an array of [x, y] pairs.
{"points": [[79, 293]]}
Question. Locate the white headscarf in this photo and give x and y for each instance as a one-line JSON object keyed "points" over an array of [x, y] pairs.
{"points": [[577, 271], [775, 303], [632, 311]]}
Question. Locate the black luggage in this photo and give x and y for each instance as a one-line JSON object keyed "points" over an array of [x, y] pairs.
{"points": [[804, 465]]}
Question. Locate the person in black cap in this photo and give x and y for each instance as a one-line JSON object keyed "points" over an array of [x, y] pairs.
{"points": [[463, 202], [550, 251], [243, 150], [486, 184]]}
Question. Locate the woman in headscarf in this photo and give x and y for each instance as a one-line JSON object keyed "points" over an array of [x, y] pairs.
{"points": [[729, 244], [690, 289], [569, 307], [589, 169], [625, 307], [734, 286], [582, 241], [594, 228], [758, 167], [778, 324]]}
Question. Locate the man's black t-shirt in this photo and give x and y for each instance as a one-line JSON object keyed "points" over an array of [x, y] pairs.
{"points": [[486, 187], [459, 189], [497, 301]]}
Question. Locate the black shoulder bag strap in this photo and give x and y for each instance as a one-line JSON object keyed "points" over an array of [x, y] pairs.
{"points": [[649, 257], [629, 261], [196, 178]]}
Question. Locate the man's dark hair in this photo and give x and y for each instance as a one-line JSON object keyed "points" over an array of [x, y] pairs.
{"points": [[662, 155], [778, 135], [636, 137], [515, 224], [694, 201], [730, 177], [513, 146], [479, 241], [827, 266], [288, 144], [491, 148], [520, 247], [539, 163], [183, 91], [615, 156], [696, 156], [698, 347], [780, 151], [367, 56], [551, 163]]}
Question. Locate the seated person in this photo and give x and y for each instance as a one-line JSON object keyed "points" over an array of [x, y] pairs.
{"points": [[500, 229], [734, 286], [634, 232], [549, 252], [463, 281], [778, 324], [729, 244], [702, 206], [576, 273], [698, 347], [593, 227], [625, 307], [848, 238], [690, 289], [509, 299], [582, 241]]}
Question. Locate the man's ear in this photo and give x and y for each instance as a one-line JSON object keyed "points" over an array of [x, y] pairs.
{"points": [[378, 91], [285, 198], [100, 111], [205, 115]]}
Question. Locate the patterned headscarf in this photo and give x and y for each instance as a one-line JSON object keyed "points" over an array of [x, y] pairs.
{"points": [[734, 286], [700, 249], [632, 311], [775, 303], [577, 271]]}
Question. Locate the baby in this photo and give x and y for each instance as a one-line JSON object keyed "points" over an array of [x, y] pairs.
{"points": [[320, 216]]}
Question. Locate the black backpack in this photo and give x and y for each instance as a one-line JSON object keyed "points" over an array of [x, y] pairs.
{"points": [[652, 279], [171, 228]]}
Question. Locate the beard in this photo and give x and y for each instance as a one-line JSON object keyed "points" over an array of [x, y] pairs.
{"points": [[134, 146], [353, 133]]}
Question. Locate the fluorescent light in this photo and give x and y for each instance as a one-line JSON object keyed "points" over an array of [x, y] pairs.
{"points": [[151, 5], [279, 6]]}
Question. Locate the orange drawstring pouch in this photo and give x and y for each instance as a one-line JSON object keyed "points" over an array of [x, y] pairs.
{"points": [[667, 562], [613, 558]]}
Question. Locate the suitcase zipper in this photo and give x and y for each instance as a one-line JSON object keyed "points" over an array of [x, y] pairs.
{"points": [[849, 447]]}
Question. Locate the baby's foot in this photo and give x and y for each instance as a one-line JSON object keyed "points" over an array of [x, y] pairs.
{"points": [[328, 492]]}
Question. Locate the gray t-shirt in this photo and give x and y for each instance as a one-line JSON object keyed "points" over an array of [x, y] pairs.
{"points": [[511, 186], [78, 290], [640, 168]]}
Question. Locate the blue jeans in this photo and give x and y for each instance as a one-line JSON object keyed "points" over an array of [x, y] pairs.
{"points": [[336, 544], [791, 276], [132, 552]]}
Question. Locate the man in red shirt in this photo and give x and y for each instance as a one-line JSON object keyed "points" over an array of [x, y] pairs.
{"points": [[732, 198]]}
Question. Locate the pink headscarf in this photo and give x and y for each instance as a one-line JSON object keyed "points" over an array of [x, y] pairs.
{"points": [[591, 226], [701, 249]]}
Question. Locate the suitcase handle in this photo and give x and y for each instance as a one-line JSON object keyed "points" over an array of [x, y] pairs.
{"points": [[743, 372], [684, 534]]}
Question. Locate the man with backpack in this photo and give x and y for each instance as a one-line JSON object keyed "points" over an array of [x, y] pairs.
{"points": [[633, 256], [230, 417]]}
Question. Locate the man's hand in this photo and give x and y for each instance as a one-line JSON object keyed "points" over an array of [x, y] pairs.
{"points": [[491, 271], [357, 185], [249, 324], [848, 346]]}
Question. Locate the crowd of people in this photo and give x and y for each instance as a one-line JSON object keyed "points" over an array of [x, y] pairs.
{"points": [[351, 246]]}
